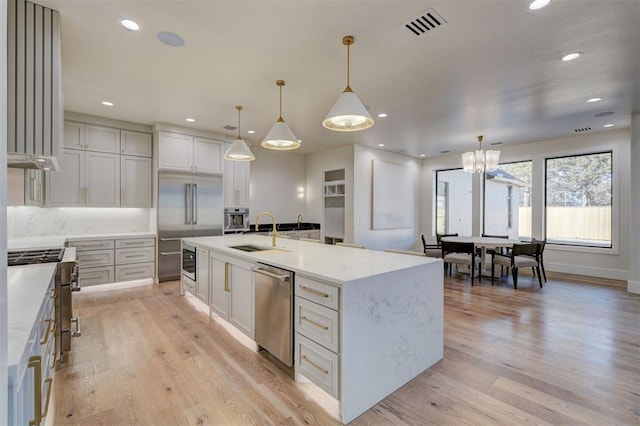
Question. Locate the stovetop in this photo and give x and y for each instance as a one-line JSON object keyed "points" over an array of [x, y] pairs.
{"points": [[29, 257]]}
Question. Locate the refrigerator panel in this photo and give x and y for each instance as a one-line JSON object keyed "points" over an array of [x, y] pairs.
{"points": [[174, 204], [207, 209]]}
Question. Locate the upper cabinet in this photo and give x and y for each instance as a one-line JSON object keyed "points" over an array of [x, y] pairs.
{"points": [[91, 138], [236, 183], [135, 143], [189, 153]]}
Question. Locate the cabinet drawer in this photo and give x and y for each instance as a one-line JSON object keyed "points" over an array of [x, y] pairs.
{"points": [[317, 364], [91, 245], [135, 255], [188, 285], [137, 271], [318, 323], [135, 242], [95, 276], [316, 291], [89, 259]]}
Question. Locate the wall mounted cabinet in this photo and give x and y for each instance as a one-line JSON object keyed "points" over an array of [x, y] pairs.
{"points": [[236, 183], [187, 153]]}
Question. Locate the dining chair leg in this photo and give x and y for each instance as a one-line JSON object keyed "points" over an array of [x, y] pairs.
{"points": [[493, 270], [539, 276], [543, 271], [514, 273], [472, 269]]}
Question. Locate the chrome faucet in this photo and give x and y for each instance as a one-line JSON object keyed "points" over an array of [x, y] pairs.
{"points": [[274, 233], [299, 220]]}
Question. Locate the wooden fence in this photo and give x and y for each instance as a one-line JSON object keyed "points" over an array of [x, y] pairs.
{"points": [[584, 223]]}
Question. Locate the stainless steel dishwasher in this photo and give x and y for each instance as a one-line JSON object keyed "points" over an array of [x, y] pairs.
{"points": [[273, 310]]}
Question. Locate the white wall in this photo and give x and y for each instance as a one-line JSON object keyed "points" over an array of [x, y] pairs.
{"points": [[380, 239], [613, 263], [317, 164], [276, 177], [3, 218], [633, 285], [27, 221]]}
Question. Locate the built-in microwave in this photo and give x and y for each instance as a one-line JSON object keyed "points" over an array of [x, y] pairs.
{"points": [[189, 261], [236, 219]]}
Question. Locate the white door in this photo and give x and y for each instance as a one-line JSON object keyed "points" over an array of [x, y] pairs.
{"points": [[175, 152], [135, 181], [218, 295], [207, 155], [135, 143], [202, 275], [241, 309], [66, 187], [103, 139], [102, 179], [73, 135]]}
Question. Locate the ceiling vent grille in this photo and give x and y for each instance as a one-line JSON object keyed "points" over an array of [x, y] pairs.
{"points": [[425, 22], [582, 129], [229, 127]]}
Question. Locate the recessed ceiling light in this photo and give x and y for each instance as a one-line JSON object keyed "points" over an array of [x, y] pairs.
{"points": [[594, 100], [190, 120], [571, 56], [170, 39], [538, 4], [129, 24], [382, 115], [107, 103], [251, 131], [609, 125], [380, 144], [423, 155]]}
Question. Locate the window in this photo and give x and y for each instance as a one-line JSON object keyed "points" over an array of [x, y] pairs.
{"points": [[579, 199], [453, 202], [507, 200]]}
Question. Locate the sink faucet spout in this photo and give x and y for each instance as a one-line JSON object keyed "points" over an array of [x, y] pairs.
{"points": [[299, 220], [274, 233]]}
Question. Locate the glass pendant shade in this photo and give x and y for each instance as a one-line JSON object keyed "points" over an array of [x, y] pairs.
{"points": [[480, 161], [239, 150], [348, 114], [280, 137]]}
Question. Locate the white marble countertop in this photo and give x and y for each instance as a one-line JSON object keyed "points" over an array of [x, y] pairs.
{"points": [[26, 289], [335, 263], [55, 241]]}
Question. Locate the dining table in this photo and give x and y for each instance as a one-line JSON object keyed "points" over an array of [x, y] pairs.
{"points": [[484, 243]]}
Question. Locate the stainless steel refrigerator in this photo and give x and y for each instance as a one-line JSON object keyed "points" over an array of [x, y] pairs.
{"points": [[189, 205]]}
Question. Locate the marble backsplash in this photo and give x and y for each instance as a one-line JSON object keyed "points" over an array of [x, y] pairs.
{"points": [[25, 221]]}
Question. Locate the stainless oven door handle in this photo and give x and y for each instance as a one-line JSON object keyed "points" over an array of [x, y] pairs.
{"points": [[169, 253], [170, 239]]}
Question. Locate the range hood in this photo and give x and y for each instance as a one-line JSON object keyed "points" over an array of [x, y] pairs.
{"points": [[34, 87]]}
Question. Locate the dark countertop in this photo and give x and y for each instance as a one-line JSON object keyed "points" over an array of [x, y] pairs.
{"points": [[266, 227]]}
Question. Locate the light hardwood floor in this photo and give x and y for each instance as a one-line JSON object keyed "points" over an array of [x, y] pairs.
{"points": [[565, 354]]}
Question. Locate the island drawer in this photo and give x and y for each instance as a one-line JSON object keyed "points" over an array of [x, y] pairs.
{"points": [[95, 276], [88, 259], [317, 322], [136, 271], [188, 285], [92, 245], [317, 364], [317, 291], [135, 242], [135, 255]]}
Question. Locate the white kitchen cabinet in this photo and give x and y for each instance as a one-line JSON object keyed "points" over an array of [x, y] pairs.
{"points": [[135, 181], [135, 143], [188, 153], [90, 137], [236, 183], [66, 188], [202, 275], [232, 292], [34, 187]]}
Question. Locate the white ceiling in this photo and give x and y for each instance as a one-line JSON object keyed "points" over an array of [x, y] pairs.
{"points": [[494, 68]]}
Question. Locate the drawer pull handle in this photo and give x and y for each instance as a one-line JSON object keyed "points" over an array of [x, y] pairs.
{"points": [[314, 365], [46, 405], [313, 291], [83, 246], [312, 322], [136, 255], [35, 362], [90, 258], [45, 339]]}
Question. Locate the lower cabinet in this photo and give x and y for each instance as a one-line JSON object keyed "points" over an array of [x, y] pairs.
{"points": [[106, 261], [231, 286], [202, 275]]}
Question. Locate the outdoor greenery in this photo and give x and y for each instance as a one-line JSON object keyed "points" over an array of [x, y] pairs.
{"points": [[583, 180]]}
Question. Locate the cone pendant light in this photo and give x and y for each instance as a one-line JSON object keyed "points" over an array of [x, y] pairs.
{"points": [[239, 151], [348, 114], [280, 137]]}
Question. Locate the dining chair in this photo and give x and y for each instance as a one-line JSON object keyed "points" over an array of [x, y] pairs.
{"points": [[439, 238], [431, 250], [542, 243], [520, 256], [502, 250], [461, 254]]}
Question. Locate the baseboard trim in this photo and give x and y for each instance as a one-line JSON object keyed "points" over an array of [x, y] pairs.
{"points": [[633, 287], [614, 274]]}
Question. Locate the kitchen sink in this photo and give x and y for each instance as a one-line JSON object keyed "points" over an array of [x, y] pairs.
{"points": [[252, 248]]}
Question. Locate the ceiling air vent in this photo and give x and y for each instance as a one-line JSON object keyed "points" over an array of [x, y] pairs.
{"points": [[425, 22], [582, 129], [229, 127], [495, 143]]}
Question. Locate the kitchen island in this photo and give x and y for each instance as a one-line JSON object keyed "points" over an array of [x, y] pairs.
{"points": [[383, 311]]}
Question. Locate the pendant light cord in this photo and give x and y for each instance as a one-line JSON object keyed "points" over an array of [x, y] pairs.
{"points": [[280, 116], [239, 108], [348, 62]]}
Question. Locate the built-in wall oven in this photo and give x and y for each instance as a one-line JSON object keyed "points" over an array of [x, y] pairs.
{"points": [[189, 261], [236, 219]]}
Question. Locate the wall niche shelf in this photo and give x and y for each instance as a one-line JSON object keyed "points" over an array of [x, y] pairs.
{"points": [[334, 197]]}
